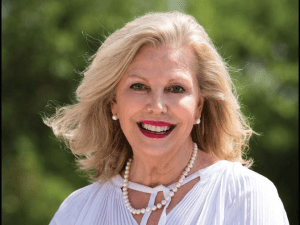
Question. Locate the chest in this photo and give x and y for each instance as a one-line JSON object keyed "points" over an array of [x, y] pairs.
{"points": [[139, 200]]}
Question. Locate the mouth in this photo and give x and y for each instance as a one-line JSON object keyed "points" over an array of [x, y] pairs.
{"points": [[155, 131]]}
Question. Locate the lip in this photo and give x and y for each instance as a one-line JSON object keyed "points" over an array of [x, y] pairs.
{"points": [[156, 123]]}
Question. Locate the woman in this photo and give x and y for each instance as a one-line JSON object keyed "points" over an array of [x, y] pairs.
{"points": [[159, 125]]}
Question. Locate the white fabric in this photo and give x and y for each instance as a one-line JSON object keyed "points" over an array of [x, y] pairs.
{"points": [[227, 193]]}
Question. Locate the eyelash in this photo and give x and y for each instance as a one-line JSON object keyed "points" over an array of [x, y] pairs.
{"points": [[132, 87]]}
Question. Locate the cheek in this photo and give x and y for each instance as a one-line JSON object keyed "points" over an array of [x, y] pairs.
{"points": [[129, 103], [186, 109]]}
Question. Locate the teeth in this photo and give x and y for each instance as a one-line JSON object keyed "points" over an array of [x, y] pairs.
{"points": [[155, 128]]}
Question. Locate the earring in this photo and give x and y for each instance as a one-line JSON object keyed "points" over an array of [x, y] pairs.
{"points": [[114, 117], [198, 121]]}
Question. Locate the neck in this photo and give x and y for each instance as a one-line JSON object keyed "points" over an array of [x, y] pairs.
{"points": [[152, 171]]}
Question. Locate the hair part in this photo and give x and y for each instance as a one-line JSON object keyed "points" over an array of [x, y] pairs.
{"points": [[98, 142]]}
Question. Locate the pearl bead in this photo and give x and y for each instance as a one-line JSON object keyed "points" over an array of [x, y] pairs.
{"points": [[126, 176], [188, 169], [138, 211], [185, 173], [148, 209], [143, 211], [171, 193], [126, 172], [127, 204], [168, 198], [163, 202], [159, 205], [154, 208], [178, 185], [127, 167], [174, 189], [180, 180], [125, 192]]}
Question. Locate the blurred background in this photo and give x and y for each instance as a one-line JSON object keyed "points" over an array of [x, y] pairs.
{"points": [[46, 43]]}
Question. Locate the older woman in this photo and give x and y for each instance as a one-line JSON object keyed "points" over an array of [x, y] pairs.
{"points": [[159, 125]]}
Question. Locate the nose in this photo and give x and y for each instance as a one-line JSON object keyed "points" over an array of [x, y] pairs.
{"points": [[157, 103]]}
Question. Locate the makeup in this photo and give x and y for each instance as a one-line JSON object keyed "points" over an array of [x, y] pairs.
{"points": [[155, 129], [151, 134]]}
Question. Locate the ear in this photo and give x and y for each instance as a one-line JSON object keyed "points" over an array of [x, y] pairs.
{"points": [[200, 106], [114, 107]]}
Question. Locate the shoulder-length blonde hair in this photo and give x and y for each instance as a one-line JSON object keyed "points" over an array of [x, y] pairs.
{"points": [[99, 143]]}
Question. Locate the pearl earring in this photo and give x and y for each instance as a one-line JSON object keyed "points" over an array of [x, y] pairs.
{"points": [[198, 121], [114, 117]]}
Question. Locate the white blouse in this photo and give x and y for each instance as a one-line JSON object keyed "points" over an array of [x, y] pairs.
{"points": [[227, 193]]}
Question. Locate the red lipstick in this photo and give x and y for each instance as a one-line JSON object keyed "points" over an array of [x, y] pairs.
{"points": [[156, 123]]}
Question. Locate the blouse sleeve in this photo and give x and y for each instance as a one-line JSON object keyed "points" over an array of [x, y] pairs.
{"points": [[253, 200]]}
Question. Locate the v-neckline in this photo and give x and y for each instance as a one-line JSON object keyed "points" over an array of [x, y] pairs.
{"points": [[201, 173], [118, 180]]}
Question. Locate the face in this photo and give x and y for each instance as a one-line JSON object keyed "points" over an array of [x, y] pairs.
{"points": [[158, 92]]}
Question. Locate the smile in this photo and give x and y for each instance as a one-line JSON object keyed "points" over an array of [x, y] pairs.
{"points": [[155, 131]]}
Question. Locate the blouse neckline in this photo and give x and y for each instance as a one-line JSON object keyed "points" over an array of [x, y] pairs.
{"points": [[203, 173]]}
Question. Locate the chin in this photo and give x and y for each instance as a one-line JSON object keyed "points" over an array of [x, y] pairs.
{"points": [[153, 149]]}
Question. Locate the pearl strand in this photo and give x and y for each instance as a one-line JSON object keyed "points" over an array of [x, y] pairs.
{"points": [[163, 202]]}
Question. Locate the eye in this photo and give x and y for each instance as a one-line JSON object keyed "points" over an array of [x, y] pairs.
{"points": [[138, 86], [176, 89]]}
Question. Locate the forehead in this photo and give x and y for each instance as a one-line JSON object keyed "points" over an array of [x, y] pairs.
{"points": [[181, 57]]}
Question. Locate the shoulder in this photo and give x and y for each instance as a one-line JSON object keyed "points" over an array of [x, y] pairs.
{"points": [[79, 195], [235, 178], [241, 175], [243, 181], [77, 202]]}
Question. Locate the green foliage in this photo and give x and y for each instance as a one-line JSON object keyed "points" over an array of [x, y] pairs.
{"points": [[45, 44]]}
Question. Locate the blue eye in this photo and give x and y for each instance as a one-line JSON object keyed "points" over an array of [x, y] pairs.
{"points": [[138, 86], [177, 89]]}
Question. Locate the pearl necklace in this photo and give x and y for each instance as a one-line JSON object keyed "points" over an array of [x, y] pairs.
{"points": [[163, 202]]}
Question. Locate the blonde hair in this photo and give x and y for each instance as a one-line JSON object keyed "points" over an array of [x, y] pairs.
{"points": [[98, 142]]}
